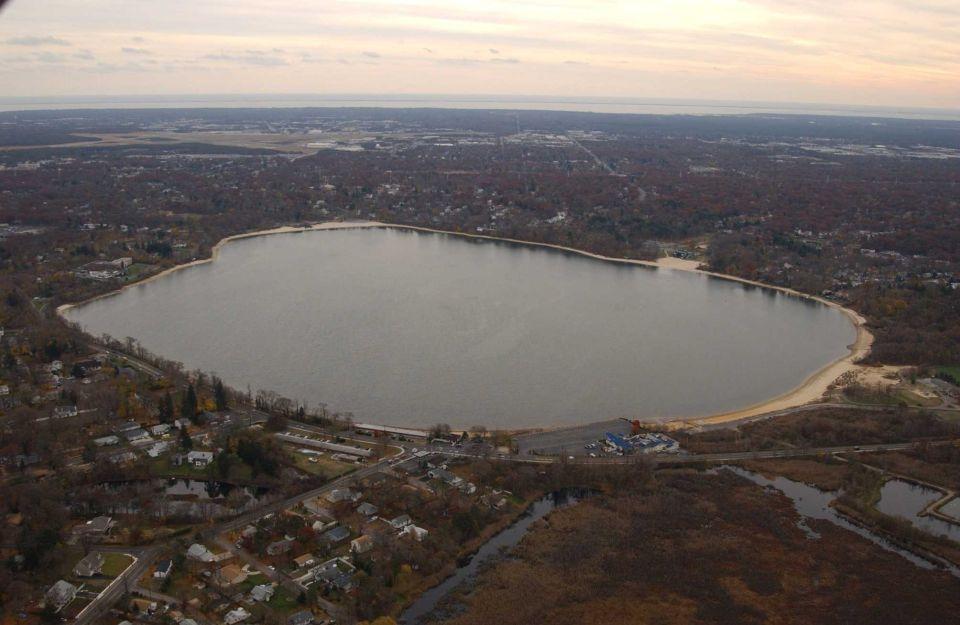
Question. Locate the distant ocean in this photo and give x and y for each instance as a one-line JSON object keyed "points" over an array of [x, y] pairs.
{"points": [[651, 106]]}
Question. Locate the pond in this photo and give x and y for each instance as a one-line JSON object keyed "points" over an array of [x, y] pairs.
{"points": [[427, 602], [813, 503], [907, 500], [413, 328]]}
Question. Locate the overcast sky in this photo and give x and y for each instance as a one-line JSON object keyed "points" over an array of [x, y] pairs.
{"points": [[885, 52]]}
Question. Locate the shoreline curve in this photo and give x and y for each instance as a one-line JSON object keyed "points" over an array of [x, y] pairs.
{"points": [[810, 390]]}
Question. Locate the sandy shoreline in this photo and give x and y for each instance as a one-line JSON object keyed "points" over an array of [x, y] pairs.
{"points": [[810, 390]]}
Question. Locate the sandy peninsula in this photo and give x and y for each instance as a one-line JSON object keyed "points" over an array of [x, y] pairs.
{"points": [[810, 390]]}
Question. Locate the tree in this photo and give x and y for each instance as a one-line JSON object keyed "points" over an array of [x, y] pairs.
{"points": [[166, 408], [89, 451], [186, 443], [439, 430], [219, 394], [188, 405], [276, 423]]}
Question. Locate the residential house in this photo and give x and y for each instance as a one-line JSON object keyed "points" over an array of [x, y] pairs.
{"points": [[361, 544], [445, 476], [138, 435], [336, 535], [303, 617], [160, 429], [60, 595], [235, 616], [230, 575], [62, 412], [342, 494], [417, 533], [367, 509], [304, 560], [157, 448], [90, 565], [105, 441], [316, 507], [262, 593], [126, 426], [163, 569], [200, 459], [280, 546], [400, 522], [97, 526], [200, 553]]}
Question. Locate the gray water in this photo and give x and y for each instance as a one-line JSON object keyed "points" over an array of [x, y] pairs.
{"points": [[649, 106], [907, 501], [411, 328]]}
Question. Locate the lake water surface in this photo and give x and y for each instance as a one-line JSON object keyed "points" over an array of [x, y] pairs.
{"points": [[414, 328]]}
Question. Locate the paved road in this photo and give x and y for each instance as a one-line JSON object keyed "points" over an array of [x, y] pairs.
{"points": [[669, 459], [144, 557]]}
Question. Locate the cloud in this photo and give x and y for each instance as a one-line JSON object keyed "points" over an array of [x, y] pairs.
{"points": [[473, 61], [248, 59], [50, 57], [137, 39], [372, 55], [140, 51], [494, 51], [84, 55], [37, 41]]}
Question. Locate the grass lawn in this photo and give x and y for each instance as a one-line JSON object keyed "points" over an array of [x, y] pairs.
{"points": [[283, 601], [324, 466], [163, 466], [953, 371], [115, 563]]}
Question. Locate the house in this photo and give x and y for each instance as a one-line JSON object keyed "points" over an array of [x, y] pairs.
{"points": [[316, 507], [306, 559], [400, 522], [445, 476], [200, 458], [342, 494], [96, 526], [160, 429], [157, 448], [367, 509], [138, 435], [230, 575], [303, 617], [417, 533], [235, 616], [90, 565], [62, 412], [126, 426], [249, 531], [105, 441], [200, 553], [60, 595], [361, 544], [279, 546], [163, 569], [336, 535], [262, 593], [143, 606]]}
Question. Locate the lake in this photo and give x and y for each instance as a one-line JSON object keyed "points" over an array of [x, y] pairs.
{"points": [[413, 328]]}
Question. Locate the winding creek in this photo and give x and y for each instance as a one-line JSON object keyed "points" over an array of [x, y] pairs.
{"points": [[427, 603]]}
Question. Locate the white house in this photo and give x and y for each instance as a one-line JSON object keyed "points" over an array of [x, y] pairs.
{"points": [[200, 458]]}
